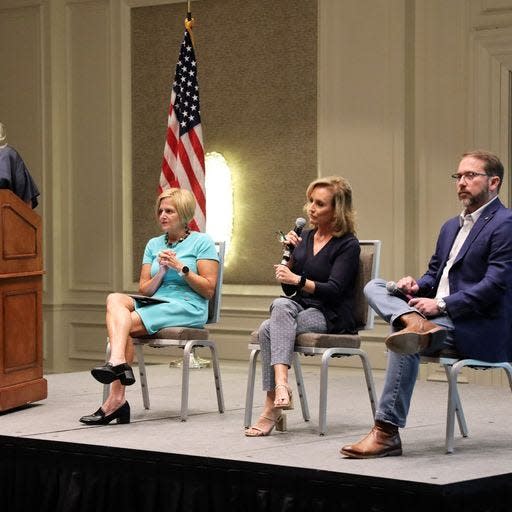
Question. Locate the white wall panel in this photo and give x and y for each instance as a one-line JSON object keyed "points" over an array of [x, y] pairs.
{"points": [[90, 206], [87, 337], [21, 105], [490, 57], [361, 113]]}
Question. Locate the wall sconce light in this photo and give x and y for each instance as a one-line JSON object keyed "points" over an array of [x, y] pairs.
{"points": [[219, 199]]}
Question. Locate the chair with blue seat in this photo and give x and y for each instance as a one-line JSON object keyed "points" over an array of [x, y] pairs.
{"points": [[328, 345], [188, 339]]}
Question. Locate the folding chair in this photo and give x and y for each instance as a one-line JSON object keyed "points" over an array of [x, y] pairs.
{"points": [[187, 338], [328, 345], [452, 367]]}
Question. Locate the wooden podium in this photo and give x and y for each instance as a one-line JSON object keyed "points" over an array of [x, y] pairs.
{"points": [[21, 321]]}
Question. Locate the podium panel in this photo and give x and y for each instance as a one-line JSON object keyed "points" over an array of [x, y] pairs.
{"points": [[21, 344]]}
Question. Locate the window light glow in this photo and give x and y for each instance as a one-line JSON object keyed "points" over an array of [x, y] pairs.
{"points": [[219, 199]]}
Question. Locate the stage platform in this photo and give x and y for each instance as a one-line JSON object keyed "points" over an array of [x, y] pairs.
{"points": [[160, 463]]}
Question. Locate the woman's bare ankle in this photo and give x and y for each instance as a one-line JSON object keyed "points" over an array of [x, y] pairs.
{"points": [[116, 362], [112, 404]]}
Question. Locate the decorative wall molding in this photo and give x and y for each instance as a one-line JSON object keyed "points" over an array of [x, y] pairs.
{"points": [[490, 85], [485, 14], [90, 124]]}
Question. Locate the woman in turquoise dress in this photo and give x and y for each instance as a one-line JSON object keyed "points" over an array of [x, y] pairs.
{"points": [[179, 267]]}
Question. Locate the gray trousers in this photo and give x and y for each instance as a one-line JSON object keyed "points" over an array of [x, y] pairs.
{"points": [[277, 335]]}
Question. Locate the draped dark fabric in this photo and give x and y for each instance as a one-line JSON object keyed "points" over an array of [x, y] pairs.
{"points": [[15, 176], [47, 476]]}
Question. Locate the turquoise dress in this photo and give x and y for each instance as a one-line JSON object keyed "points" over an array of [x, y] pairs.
{"points": [[185, 307]]}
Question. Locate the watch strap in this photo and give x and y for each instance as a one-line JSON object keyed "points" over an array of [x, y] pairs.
{"points": [[302, 282]]}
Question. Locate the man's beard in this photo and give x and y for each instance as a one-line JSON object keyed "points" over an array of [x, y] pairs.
{"points": [[479, 199]]}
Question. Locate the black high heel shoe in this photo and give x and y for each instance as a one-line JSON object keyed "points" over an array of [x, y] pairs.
{"points": [[121, 415], [108, 373]]}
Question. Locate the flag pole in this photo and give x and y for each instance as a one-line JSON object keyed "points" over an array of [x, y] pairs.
{"points": [[195, 361], [189, 22]]}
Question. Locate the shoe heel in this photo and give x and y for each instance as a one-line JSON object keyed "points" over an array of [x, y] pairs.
{"points": [[127, 378], [123, 420], [281, 423], [125, 375], [124, 414]]}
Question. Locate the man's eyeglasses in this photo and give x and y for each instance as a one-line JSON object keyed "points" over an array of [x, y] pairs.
{"points": [[467, 176]]}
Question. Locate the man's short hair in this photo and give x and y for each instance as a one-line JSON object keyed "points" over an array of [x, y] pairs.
{"points": [[492, 164]]}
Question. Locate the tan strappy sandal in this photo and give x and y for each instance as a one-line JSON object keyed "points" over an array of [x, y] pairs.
{"points": [[260, 430], [284, 403]]}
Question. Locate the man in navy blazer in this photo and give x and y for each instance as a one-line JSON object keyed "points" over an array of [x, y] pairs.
{"points": [[461, 306]]}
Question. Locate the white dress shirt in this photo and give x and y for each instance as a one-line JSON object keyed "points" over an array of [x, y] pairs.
{"points": [[467, 221]]}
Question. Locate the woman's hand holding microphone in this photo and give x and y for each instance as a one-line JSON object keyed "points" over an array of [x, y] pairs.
{"points": [[283, 273]]}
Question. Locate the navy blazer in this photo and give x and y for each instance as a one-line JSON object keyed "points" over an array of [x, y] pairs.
{"points": [[480, 300]]}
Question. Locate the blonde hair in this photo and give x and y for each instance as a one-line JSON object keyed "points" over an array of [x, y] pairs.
{"points": [[344, 216], [182, 199]]}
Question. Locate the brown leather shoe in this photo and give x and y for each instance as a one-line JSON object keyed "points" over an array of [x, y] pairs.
{"points": [[378, 443], [417, 335]]}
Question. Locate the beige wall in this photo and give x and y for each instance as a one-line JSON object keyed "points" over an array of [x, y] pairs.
{"points": [[257, 81], [403, 87]]}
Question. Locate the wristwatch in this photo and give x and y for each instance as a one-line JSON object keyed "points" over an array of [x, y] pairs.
{"points": [[184, 271], [302, 282], [441, 305]]}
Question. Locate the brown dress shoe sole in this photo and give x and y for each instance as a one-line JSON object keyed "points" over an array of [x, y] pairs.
{"points": [[412, 342], [395, 452]]}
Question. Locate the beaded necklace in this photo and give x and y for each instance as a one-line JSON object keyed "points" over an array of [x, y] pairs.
{"points": [[174, 244]]}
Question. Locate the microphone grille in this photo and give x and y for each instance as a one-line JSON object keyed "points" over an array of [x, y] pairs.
{"points": [[391, 286], [300, 222]]}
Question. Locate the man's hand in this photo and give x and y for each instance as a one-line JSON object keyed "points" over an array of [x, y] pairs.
{"points": [[408, 285], [427, 307]]}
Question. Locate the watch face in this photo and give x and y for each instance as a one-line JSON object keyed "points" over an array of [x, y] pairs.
{"points": [[185, 270]]}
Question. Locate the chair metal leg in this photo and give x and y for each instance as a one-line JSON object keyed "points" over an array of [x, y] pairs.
{"points": [[508, 370], [301, 389], [106, 387], [249, 395], [142, 373], [216, 376], [461, 420], [454, 405], [370, 385], [185, 378], [322, 409]]}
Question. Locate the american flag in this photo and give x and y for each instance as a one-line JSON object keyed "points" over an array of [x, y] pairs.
{"points": [[183, 162]]}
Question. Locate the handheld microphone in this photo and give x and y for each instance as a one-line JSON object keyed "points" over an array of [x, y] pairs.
{"points": [[288, 248], [393, 289]]}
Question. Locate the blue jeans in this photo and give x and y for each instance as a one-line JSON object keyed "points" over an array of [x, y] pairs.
{"points": [[402, 370]]}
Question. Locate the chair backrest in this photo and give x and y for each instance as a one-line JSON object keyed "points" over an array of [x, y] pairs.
{"points": [[214, 303], [369, 263]]}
